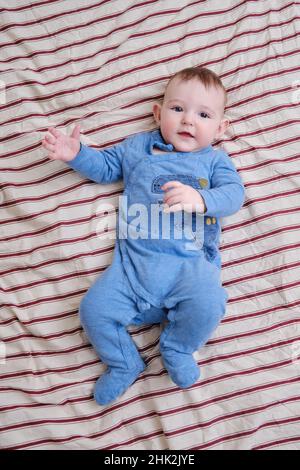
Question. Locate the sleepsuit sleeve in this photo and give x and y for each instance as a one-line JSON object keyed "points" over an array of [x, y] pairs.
{"points": [[101, 166], [226, 194]]}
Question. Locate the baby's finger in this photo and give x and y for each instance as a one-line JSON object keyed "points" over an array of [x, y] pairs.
{"points": [[175, 208], [51, 155], [172, 193], [171, 184], [54, 131], [173, 200], [50, 138], [48, 146]]}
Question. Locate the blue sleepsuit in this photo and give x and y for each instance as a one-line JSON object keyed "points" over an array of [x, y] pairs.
{"points": [[156, 277]]}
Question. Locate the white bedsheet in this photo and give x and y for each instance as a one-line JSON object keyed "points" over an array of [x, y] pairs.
{"points": [[104, 63]]}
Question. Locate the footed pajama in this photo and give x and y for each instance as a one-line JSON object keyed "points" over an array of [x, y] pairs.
{"points": [[192, 309], [164, 269]]}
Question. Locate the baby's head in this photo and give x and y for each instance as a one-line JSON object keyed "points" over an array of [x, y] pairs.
{"points": [[191, 116]]}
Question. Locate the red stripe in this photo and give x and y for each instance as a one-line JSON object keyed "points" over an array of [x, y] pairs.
{"points": [[84, 432], [107, 126], [71, 401], [61, 260], [258, 200], [224, 438], [70, 275], [47, 337], [52, 280], [98, 270], [30, 6], [52, 17], [57, 370], [35, 182], [234, 414], [266, 216], [249, 333], [256, 166], [277, 442], [148, 48], [81, 202], [132, 53], [260, 256], [232, 318], [14, 202], [130, 421], [146, 66], [51, 245], [99, 197], [50, 228], [219, 358], [45, 299], [92, 235], [276, 178], [73, 349], [96, 216], [111, 125], [82, 220], [67, 170], [97, 21], [200, 405], [257, 275], [261, 312], [256, 238], [41, 319], [48, 52], [264, 130], [263, 292], [215, 359], [238, 435]]}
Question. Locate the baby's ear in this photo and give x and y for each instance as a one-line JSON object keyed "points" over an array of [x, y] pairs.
{"points": [[156, 112], [224, 124]]}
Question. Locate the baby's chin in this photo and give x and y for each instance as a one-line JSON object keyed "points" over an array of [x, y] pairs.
{"points": [[187, 148], [185, 143]]}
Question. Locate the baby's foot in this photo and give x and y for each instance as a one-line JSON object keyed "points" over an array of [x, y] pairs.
{"points": [[114, 382], [182, 368]]}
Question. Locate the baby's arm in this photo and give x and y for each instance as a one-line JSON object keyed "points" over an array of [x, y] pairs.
{"points": [[104, 166], [227, 192]]}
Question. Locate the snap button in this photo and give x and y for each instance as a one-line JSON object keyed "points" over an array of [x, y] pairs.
{"points": [[203, 182]]}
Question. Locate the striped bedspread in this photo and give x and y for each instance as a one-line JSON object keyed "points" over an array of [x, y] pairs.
{"points": [[104, 63]]}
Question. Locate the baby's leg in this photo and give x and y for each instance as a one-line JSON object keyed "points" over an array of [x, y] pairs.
{"points": [[105, 311], [192, 322]]}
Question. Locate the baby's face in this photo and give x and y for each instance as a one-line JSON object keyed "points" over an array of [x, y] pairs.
{"points": [[191, 116]]}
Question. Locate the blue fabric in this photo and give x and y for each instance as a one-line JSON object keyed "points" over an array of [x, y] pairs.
{"points": [[156, 279]]}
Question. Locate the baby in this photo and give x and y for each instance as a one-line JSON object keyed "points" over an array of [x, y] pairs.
{"points": [[161, 279]]}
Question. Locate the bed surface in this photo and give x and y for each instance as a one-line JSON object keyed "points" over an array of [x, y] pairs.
{"points": [[104, 63]]}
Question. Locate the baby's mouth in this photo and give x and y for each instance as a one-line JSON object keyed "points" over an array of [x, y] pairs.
{"points": [[186, 135]]}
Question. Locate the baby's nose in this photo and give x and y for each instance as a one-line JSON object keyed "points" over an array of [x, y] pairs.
{"points": [[188, 118]]}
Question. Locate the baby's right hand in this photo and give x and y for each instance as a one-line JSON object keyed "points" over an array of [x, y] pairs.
{"points": [[61, 146]]}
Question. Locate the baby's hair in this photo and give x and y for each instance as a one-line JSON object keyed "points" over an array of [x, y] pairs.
{"points": [[204, 75]]}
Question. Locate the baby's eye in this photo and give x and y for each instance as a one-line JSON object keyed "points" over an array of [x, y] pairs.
{"points": [[178, 109], [204, 115]]}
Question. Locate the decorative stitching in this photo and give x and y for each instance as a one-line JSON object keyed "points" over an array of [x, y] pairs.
{"points": [[190, 180]]}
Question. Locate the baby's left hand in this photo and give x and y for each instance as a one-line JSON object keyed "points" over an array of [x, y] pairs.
{"points": [[179, 196]]}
